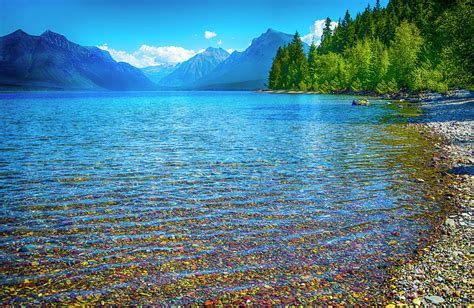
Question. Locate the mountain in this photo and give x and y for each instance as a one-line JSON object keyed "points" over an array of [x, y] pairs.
{"points": [[247, 70], [195, 68], [51, 61], [158, 72]]}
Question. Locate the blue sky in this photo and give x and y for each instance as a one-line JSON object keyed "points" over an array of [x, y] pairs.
{"points": [[127, 25]]}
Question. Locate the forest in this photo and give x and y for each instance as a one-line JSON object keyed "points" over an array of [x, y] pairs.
{"points": [[409, 45]]}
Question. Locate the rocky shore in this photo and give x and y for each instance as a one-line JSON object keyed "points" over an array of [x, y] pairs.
{"points": [[407, 96], [441, 272]]}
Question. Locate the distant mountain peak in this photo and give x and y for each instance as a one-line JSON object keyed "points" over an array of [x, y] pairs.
{"points": [[214, 49], [49, 33], [195, 68], [214, 52], [51, 61], [270, 30], [56, 39], [271, 34], [19, 32]]}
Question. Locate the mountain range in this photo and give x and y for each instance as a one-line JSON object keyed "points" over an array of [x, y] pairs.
{"points": [[195, 68], [52, 61], [158, 72], [247, 70]]}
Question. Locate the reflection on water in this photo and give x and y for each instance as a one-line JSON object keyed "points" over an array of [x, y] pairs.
{"points": [[179, 197]]}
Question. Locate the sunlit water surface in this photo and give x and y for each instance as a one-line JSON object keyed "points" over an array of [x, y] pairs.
{"points": [[178, 197]]}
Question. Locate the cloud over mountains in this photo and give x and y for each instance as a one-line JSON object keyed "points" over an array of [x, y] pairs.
{"points": [[148, 55]]}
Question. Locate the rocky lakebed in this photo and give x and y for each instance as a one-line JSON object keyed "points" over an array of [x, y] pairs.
{"points": [[441, 271]]}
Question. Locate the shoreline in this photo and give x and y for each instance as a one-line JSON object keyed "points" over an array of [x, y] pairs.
{"points": [[424, 96], [440, 271]]}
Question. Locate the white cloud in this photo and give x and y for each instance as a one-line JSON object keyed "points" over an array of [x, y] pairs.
{"points": [[230, 50], [316, 31], [151, 55], [209, 34], [219, 42], [167, 54]]}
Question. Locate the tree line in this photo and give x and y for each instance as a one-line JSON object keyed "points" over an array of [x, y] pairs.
{"points": [[410, 44]]}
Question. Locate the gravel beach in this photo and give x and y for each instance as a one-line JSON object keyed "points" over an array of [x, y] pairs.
{"points": [[441, 272]]}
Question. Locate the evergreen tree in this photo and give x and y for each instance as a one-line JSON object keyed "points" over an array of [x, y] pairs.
{"points": [[455, 28], [426, 44], [326, 38], [276, 71], [312, 66], [404, 52], [284, 80], [349, 35], [378, 6], [298, 66], [343, 37]]}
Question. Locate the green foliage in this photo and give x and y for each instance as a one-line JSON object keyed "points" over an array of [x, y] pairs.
{"points": [[359, 59], [415, 45], [387, 86], [276, 71], [356, 85], [327, 40], [312, 65], [290, 67], [331, 73], [404, 53], [428, 78], [456, 26]]}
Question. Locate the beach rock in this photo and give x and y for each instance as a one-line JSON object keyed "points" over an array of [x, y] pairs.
{"points": [[440, 272], [435, 299], [27, 248], [460, 93], [417, 302], [450, 223], [360, 102]]}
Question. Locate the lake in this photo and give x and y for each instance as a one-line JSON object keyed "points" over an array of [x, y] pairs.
{"points": [[182, 197]]}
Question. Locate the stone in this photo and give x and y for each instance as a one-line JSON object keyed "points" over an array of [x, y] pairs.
{"points": [[450, 223], [27, 248], [362, 102], [435, 299]]}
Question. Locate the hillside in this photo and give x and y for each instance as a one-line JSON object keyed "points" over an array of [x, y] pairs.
{"points": [[52, 61]]}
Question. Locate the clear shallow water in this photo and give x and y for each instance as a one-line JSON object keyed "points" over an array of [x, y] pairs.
{"points": [[178, 197]]}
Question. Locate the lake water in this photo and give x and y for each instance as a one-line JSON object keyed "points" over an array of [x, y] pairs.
{"points": [[179, 197]]}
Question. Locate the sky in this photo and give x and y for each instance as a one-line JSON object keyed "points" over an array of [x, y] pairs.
{"points": [[154, 32]]}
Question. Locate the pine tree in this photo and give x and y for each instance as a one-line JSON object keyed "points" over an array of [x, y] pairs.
{"points": [[312, 65], [408, 44], [349, 34], [284, 80], [298, 68], [378, 6], [276, 70], [326, 39]]}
